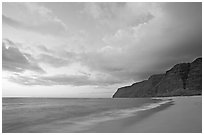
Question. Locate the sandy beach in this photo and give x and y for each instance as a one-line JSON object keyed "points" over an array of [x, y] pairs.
{"points": [[133, 115], [182, 115]]}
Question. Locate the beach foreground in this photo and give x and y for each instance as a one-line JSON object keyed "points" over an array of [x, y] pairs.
{"points": [[130, 115], [183, 115]]}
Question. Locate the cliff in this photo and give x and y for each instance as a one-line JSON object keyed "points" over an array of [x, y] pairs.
{"points": [[182, 79]]}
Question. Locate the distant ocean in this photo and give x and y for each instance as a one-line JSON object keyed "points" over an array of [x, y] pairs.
{"points": [[68, 114]]}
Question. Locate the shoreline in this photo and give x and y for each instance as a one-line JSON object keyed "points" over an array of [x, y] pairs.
{"points": [[158, 115], [182, 115]]}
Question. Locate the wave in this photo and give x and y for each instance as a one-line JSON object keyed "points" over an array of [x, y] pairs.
{"points": [[86, 122]]}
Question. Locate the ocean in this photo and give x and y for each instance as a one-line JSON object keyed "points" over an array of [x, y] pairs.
{"points": [[41, 115]]}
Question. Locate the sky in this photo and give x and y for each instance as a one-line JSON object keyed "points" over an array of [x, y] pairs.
{"points": [[91, 49]]}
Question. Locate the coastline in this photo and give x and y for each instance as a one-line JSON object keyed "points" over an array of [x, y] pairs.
{"points": [[182, 115]]}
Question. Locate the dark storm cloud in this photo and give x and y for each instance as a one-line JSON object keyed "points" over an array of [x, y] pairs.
{"points": [[185, 36], [173, 37], [74, 80], [187, 22], [16, 61]]}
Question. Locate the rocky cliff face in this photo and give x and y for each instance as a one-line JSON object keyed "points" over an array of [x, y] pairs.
{"points": [[182, 79]]}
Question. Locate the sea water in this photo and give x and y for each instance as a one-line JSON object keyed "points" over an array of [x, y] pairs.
{"points": [[68, 114]]}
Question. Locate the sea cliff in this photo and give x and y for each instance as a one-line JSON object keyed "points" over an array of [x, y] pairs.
{"points": [[184, 79]]}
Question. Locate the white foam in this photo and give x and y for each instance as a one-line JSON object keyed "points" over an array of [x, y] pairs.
{"points": [[88, 121]]}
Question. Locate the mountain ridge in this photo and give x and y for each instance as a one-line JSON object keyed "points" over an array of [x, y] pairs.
{"points": [[183, 79]]}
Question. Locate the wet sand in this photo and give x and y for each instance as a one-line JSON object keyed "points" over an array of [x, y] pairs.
{"points": [[182, 115]]}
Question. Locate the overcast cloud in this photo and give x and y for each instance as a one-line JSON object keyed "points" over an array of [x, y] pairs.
{"points": [[97, 44]]}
